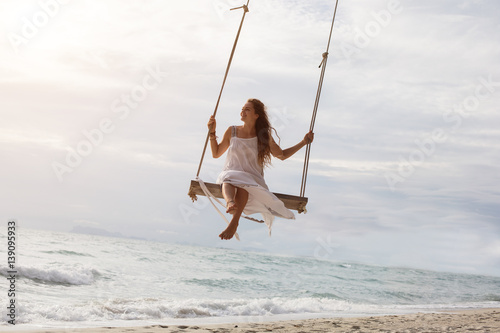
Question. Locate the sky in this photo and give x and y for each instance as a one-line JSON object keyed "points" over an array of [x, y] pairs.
{"points": [[105, 105]]}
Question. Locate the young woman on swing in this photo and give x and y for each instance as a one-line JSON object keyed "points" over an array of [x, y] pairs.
{"points": [[250, 147]]}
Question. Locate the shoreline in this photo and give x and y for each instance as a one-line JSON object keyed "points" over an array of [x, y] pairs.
{"points": [[474, 320]]}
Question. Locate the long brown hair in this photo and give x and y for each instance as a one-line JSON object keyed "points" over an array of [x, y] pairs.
{"points": [[263, 129]]}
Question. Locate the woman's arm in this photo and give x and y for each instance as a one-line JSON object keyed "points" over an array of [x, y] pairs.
{"points": [[283, 154], [218, 148]]}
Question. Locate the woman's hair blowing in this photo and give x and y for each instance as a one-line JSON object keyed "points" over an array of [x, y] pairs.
{"points": [[263, 129]]}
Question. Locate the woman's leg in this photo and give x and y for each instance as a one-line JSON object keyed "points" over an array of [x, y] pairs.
{"points": [[229, 193], [241, 199]]}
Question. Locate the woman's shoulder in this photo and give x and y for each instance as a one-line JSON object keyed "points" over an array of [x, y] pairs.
{"points": [[233, 130], [230, 131]]}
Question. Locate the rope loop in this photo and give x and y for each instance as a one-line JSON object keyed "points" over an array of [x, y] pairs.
{"points": [[325, 57], [245, 8]]}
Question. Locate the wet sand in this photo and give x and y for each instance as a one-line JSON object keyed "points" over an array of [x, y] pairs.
{"points": [[481, 321]]}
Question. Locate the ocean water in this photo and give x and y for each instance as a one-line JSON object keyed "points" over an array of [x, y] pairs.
{"points": [[75, 280]]}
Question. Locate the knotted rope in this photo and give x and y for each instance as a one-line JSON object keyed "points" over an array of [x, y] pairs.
{"points": [[322, 65]]}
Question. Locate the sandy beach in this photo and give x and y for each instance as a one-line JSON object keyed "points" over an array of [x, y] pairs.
{"points": [[482, 320]]}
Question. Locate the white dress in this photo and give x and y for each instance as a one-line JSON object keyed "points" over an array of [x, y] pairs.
{"points": [[242, 169]]}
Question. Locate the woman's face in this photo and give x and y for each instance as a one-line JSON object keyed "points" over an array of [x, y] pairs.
{"points": [[248, 112]]}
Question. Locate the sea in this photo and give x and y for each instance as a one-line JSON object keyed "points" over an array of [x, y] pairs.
{"points": [[68, 280]]}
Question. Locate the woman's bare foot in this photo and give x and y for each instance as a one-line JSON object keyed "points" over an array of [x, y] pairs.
{"points": [[231, 207], [230, 230]]}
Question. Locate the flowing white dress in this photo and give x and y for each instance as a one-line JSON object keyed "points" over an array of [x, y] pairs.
{"points": [[242, 169]]}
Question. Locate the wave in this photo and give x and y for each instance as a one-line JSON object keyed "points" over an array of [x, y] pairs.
{"points": [[162, 309], [156, 309], [68, 253], [69, 275]]}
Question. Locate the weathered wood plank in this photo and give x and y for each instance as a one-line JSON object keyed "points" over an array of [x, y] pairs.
{"points": [[290, 201]]}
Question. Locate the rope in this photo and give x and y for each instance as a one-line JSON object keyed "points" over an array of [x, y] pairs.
{"points": [[253, 219], [210, 196], [245, 10], [322, 65]]}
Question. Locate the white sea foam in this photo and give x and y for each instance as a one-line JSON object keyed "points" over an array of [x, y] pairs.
{"points": [[70, 275], [161, 309]]}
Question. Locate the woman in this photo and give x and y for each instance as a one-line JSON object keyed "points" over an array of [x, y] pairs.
{"points": [[250, 147]]}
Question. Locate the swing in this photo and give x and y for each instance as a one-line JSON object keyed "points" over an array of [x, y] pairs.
{"points": [[292, 202]]}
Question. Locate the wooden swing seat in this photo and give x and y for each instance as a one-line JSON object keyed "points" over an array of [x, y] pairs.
{"points": [[291, 201]]}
